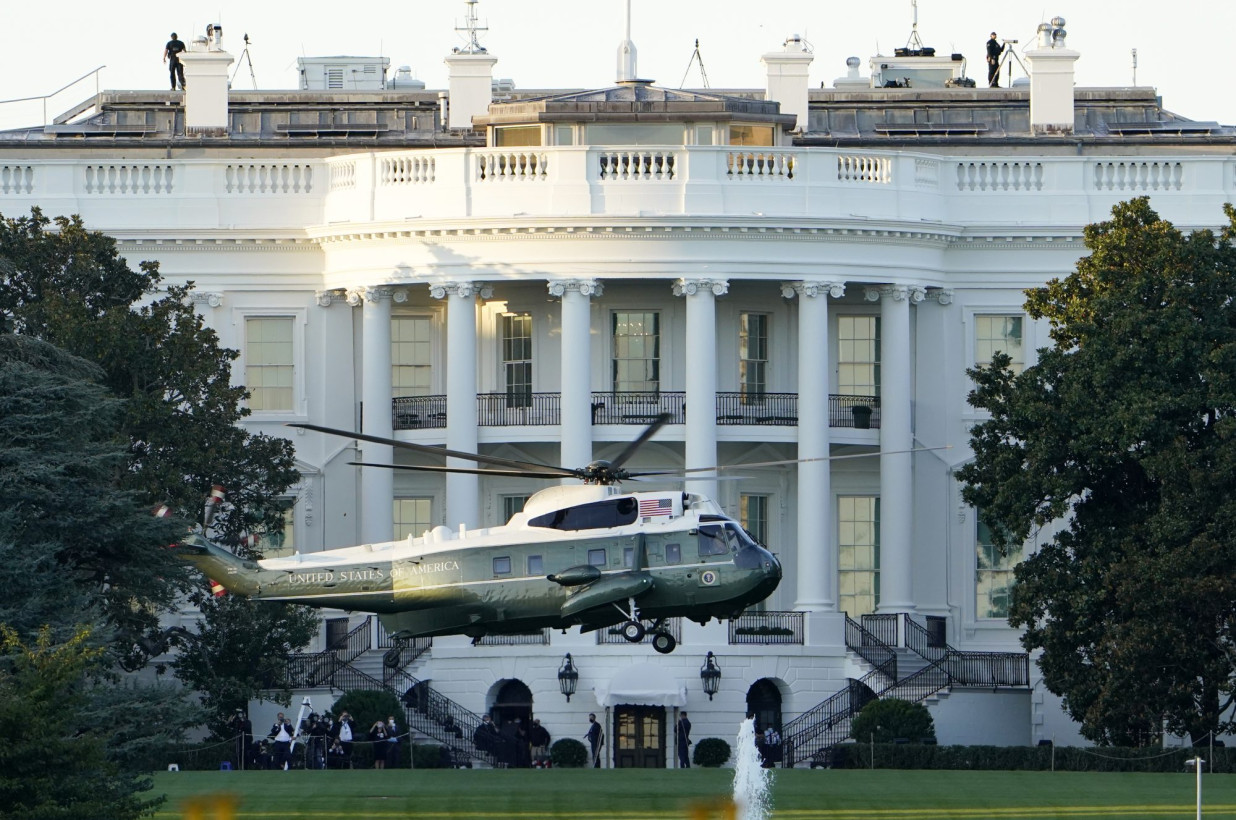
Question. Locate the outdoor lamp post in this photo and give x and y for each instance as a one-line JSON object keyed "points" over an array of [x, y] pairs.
{"points": [[568, 677], [710, 674]]}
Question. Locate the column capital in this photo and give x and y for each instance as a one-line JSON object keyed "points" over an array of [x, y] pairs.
{"points": [[325, 298], [690, 287], [464, 290], [942, 295], [373, 295], [208, 298], [584, 287], [812, 289], [898, 293]]}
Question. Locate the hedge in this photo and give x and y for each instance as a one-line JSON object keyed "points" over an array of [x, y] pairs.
{"points": [[1026, 758]]}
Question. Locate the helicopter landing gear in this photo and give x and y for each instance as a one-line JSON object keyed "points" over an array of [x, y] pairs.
{"points": [[633, 631], [664, 642]]}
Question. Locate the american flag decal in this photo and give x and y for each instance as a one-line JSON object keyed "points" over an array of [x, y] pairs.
{"points": [[650, 507]]}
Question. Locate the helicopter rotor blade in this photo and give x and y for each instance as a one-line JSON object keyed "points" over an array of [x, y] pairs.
{"points": [[649, 432], [558, 472], [429, 468]]}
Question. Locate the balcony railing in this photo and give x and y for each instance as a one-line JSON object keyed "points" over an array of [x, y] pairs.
{"points": [[538, 638], [766, 628], [515, 408]]}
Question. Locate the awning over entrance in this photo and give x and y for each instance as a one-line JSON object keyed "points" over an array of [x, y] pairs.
{"points": [[641, 685]]}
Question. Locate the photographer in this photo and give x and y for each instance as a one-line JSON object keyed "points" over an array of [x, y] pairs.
{"points": [[316, 728], [242, 729], [281, 733]]}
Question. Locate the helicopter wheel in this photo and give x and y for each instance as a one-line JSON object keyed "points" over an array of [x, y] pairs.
{"points": [[633, 631], [664, 642]]}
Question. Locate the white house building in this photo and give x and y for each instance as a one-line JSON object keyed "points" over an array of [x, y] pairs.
{"points": [[790, 273]]}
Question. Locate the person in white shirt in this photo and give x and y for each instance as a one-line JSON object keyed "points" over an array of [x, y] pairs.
{"points": [[282, 733]]}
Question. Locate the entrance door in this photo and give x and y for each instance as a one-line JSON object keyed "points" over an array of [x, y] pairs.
{"points": [[639, 737]]}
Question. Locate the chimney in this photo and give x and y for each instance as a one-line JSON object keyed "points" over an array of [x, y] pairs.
{"points": [[787, 78], [206, 84], [471, 86], [1051, 80]]}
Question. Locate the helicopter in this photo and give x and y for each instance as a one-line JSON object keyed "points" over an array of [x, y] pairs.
{"points": [[589, 555]]}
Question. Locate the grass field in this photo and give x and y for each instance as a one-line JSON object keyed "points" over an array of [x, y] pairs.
{"points": [[633, 794]]}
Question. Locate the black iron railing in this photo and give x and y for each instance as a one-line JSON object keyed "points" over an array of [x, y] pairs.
{"points": [[308, 670], [883, 627], [538, 638], [922, 642], [767, 628], [519, 408], [966, 668], [810, 735], [613, 634], [433, 714], [871, 649]]}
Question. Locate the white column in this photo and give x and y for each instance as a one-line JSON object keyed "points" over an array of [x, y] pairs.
{"points": [[817, 536], [701, 375], [576, 385], [896, 439], [377, 484], [462, 490]]}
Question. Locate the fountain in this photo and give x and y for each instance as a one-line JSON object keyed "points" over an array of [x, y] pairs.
{"points": [[752, 782]]}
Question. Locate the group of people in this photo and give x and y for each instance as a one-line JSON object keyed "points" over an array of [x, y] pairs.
{"points": [[514, 746], [328, 741]]}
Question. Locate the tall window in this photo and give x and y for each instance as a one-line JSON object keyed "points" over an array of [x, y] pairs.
{"points": [[753, 515], [412, 516], [411, 357], [512, 504], [637, 351], [993, 575], [753, 356], [517, 358], [1001, 334], [269, 363], [858, 552], [280, 542], [858, 355]]}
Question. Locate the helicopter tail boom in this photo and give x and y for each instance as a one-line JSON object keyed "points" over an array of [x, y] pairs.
{"points": [[234, 574]]}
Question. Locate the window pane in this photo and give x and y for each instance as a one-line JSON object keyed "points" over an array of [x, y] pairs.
{"points": [[269, 362], [1003, 334], [858, 554], [636, 346], [517, 359], [412, 517], [596, 558], [536, 566], [502, 565], [411, 356], [753, 515], [858, 360], [993, 575], [752, 356]]}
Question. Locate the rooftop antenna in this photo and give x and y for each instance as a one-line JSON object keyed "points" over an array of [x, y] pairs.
{"points": [[914, 43], [1135, 68], [696, 57], [627, 54], [471, 29]]}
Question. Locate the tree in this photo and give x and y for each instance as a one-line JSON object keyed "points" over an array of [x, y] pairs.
{"points": [[1117, 452], [884, 721], [67, 285]]}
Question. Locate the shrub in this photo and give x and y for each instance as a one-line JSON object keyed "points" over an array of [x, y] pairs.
{"points": [[711, 752], [568, 753], [427, 756], [891, 719], [369, 706]]}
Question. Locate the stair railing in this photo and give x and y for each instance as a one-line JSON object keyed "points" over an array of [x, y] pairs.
{"points": [[968, 668], [434, 714]]}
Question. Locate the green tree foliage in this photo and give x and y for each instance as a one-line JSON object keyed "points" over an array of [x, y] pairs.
{"points": [[179, 421], [1116, 453], [50, 766], [368, 706], [884, 721]]}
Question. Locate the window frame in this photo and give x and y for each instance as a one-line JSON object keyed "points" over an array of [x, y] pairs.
{"points": [[299, 319]]}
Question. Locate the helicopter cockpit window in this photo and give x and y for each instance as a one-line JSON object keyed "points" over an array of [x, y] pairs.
{"points": [[536, 565], [673, 553], [596, 558], [713, 540], [502, 565], [614, 512]]}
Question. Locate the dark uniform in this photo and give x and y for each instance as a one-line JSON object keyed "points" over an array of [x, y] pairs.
{"points": [[994, 50], [171, 56]]}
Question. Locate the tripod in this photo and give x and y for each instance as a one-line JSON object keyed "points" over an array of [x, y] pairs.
{"points": [[1007, 52], [695, 57], [244, 57]]}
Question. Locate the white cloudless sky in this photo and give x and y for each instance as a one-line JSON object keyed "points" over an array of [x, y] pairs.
{"points": [[1184, 49]]}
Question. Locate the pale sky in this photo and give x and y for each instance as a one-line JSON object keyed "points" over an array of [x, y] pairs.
{"points": [[1184, 48]]}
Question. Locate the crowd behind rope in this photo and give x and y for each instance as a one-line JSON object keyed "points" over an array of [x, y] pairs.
{"points": [[327, 741]]}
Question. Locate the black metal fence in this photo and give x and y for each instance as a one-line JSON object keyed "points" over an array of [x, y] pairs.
{"points": [[538, 638], [883, 627], [767, 628]]}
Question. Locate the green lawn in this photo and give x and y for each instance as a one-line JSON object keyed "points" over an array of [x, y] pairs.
{"points": [[630, 794]]}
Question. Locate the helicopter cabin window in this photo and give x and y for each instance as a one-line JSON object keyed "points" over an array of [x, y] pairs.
{"points": [[628, 557], [517, 136], [597, 558], [269, 363], [536, 565], [713, 541], [502, 565], [595, 516], [673, 553]]}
